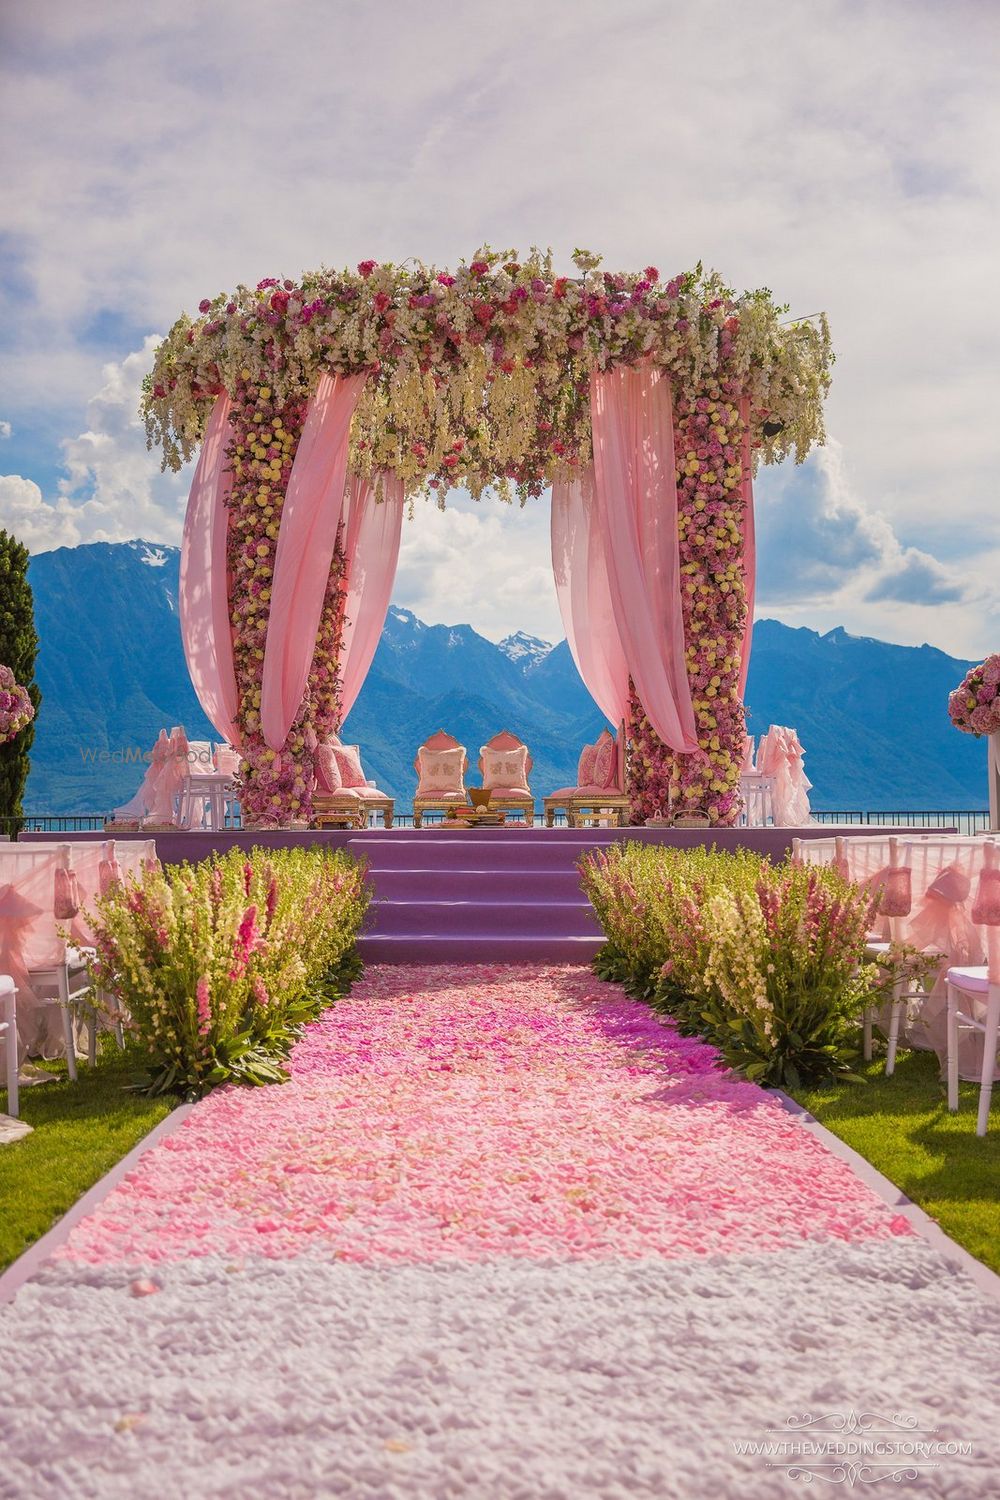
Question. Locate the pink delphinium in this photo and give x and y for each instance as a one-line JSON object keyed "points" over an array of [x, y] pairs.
{"points": [[203, 1003]]}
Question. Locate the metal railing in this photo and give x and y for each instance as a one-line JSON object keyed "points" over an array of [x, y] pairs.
{"points": [[976, 820], [967, 821], [52, 823]]}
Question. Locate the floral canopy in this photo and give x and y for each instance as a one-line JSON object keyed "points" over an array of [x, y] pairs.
{"points": [[487, 376]]}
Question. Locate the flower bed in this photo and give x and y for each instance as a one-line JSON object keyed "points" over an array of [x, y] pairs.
{"points": [[768, 963], [218, 965]]}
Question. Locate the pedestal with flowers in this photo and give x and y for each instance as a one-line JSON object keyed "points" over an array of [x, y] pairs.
{"points": [[974, 707]]}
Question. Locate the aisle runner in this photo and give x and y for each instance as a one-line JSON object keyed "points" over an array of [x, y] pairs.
{"points": [[503, 1234]]}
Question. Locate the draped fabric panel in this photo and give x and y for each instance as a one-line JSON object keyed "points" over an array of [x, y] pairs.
{"points": [[203, 597], [636, 512], [584, 592], [371, 546], [749, 543], [310, 518]]}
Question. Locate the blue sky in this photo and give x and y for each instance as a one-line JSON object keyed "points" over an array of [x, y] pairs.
{"points": [[843, 153]]}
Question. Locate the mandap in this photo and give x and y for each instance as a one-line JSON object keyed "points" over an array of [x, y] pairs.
{"points": [[324, 407]]}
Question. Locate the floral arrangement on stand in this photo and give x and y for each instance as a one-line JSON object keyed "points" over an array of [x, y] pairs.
{"points": [[217, 966], [974, 706], [16, 708], [479, 378], [768, 963]]}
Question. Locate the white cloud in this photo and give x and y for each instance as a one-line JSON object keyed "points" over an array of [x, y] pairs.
{"points": [[845, 154], [5, 430], [480, 563], [113, 490], [824, 558]]}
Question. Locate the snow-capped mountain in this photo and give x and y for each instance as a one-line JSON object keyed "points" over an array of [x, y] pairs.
{"points": [[526, 650]]}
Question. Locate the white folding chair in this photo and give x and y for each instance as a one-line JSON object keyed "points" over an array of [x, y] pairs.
{"points": [[52, 963], [8, 1031], [757, 793], [974, 991]]}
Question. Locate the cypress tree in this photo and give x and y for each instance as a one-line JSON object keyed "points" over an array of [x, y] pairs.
{"points": [[18, 650]]}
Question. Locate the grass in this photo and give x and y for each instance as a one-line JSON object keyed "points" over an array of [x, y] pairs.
{"points": [[902, 1125], [80, 1131]]}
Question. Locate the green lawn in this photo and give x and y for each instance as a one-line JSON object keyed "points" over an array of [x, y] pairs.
{"points": [[80, 1130], [903, 1127]]}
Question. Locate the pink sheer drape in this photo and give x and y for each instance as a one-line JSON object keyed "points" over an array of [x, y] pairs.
{"points": [[584, 592], [311, 516], [779, 755], [636, 509], [371, 546], [140, 804], [749, 543], [203, 597]]}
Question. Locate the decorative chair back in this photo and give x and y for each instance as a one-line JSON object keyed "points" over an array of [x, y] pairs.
{"points": [[200, 758], [437, 742], [507, 741]]}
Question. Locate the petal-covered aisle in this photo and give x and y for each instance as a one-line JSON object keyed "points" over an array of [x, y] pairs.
{"points": [[502, 1234]]}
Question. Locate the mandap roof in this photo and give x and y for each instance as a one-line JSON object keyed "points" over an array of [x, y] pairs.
{"points": [[479, 376]]}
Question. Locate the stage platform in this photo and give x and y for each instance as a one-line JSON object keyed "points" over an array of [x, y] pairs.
{"points": [[498, 895]]}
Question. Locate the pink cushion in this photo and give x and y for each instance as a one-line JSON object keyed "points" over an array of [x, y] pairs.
{"points": [[585, 768], [441, 772], [511, 791], [585, 791], [349, 764], [605, 761], [506, 770], [328, 777]]}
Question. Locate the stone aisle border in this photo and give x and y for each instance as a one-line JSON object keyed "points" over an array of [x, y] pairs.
{"points": [[504, 1233]]}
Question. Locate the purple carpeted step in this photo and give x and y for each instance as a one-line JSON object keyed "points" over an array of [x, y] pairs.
{"points": [[502, 919], [476, 885], [428, 851], [478, 949]]}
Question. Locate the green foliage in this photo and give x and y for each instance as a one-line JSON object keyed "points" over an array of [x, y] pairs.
{"points": [[18, 650], [767, 963], [80, 1130], [902, 1125], [218, 966]]}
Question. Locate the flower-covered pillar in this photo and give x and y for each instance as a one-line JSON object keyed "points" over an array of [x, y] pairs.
{"points": [[710, 453], [276, 786]]}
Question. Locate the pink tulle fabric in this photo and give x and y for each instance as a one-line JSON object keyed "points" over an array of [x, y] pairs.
{"points": [[140, 804], [170, 776], [203, 599], [779, 755], [311, 517], [583, 589], [636, 509], [30, 940], [371, 547]]}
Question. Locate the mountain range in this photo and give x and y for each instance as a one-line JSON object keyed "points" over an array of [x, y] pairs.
{"points": [[872, 716]]}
